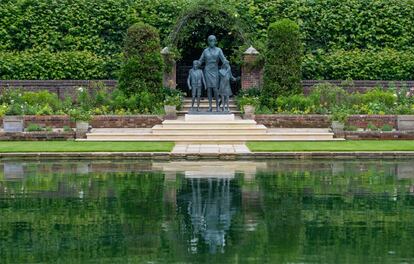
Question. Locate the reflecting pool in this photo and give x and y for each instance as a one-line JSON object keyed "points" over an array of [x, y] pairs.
{"points": [[277, 211]]}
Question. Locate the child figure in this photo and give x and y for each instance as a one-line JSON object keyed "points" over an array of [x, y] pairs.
{"points": [[224, 88], [195, 83]]}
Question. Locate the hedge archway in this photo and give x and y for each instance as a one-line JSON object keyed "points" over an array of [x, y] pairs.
{"points": [[206, 18], [198, 21]]}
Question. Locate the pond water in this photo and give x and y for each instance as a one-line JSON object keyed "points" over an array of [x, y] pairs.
{"points": [[278, 211]]}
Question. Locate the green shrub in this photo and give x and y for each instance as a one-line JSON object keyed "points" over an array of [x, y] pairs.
{"points": [[351, 128], [35, 128], [372, 127], [380, 96], [247, 100], [295, 104], [386, 128], [67, 129], [282, 73], [80, 114], [142, 69], [328, 95]]}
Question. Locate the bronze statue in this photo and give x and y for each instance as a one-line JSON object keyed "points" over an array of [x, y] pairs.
{"points": [[225, 90], [195, 83], [211, 57]]}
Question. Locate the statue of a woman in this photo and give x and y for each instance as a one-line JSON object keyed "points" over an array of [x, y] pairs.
{"points": [[211, 57]]}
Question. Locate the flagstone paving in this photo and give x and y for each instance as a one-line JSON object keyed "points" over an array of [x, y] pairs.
{"points": [[210, 148]]}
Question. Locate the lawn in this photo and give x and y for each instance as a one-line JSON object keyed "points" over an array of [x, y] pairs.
{"points": [[350, 145], [73, 146]]}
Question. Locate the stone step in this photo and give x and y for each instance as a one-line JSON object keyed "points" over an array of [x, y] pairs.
{"points": [[186, 111], [237, 123], [160, 130], [184, 137], [206, 105]]}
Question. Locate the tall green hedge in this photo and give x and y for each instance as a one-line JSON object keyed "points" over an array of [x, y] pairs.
{"points": [[282, 72], [98, 26], [384, 64], [45, 65], [142, 69]]}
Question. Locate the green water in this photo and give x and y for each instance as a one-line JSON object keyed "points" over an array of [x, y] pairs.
{"points": [[280, 211]]}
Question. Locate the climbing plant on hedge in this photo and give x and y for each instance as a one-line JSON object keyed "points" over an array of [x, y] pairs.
{"points": [[142, 68], [282, 73]]}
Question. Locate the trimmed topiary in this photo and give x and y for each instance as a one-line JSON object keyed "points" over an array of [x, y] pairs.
{"points": [[142, 69], [282, 74]]}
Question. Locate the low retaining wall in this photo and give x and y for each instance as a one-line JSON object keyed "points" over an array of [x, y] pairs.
{"points": [[251, 78], [369, 135], [37, 136], [271, 121], [294, 121], [322, 121], [111, 121], [362, 121]]}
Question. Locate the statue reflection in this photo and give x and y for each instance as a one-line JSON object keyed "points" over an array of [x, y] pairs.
{"points": [[210, 209]]}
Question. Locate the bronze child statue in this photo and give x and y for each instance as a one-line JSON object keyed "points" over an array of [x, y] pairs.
{"points": [[225, 89], [195, 83]]}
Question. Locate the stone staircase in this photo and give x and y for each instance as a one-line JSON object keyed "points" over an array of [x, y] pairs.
{"points": [[208, 129]]}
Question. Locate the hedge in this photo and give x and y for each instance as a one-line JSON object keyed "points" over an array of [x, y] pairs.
{"points": [[142, 68], [335, 27], [386, 64], [45, 65], [282, 72]]}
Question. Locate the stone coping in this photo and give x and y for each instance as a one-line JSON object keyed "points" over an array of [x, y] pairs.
{"points": [[167, 156]]}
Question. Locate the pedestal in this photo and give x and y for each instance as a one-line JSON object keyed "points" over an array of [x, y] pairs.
{"points": [[209, 116]]}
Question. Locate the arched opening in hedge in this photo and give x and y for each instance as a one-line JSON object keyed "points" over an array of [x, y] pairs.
{"points": [[189, 36]]}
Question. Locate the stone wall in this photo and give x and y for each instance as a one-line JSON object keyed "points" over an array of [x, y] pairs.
{"points": [[378, 135], [271, 121], [37, 136], [322, 121], [62, 88], [111, 121], [293, 121], [250, 77], [362, 121], [135, 121]]}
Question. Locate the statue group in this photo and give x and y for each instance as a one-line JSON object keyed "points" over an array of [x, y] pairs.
{"points": [[216, 81]]}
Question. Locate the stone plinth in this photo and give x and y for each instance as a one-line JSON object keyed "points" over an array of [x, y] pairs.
{"points": [[13, 124], [201, 117], [406, 122]]}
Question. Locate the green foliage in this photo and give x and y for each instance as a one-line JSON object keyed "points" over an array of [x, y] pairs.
{"points": [[80, 114], [175, 100], [247, 100], [46, 65], [380, 64], [372, 127], [328, 95], [340, 115], [386, 128], [36, 128], [360, 39], [326, 98], [142, 69], [282, 72]]}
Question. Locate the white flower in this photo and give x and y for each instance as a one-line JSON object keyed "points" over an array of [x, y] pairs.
{"points": [[80, 89], [395, 95]]}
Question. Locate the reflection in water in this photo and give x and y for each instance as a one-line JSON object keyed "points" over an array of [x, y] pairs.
{"points": [[279, 211], [210, 209]]}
